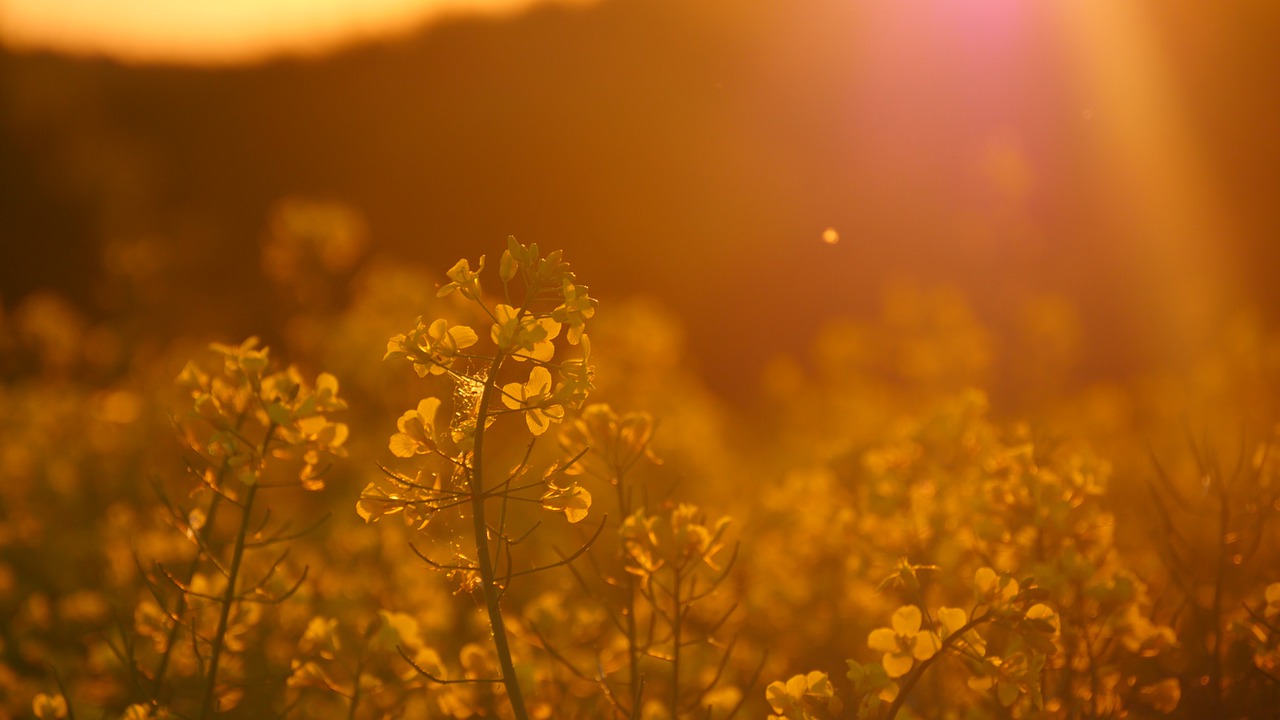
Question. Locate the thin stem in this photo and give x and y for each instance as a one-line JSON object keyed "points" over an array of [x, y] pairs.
{"points": [[229, 596], [564, 559], [441, 681], [633, 652], [677, 619], [228, 599], [355, 692], [485, 560], [180, 605], [1095, 683], [62, 690], [1219, 585], [918, 672]]}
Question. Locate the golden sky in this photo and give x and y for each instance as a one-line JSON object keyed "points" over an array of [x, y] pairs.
{"points": [[1082, 136], [220, 31]]}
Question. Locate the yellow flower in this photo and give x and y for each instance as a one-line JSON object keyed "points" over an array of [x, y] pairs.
{"points": [[792, 699], [432, 348], [444, 342], [508, 266], [49, 707], [992, 588], [1273, 600], [417, 430], [320, 638], [616, 442], [574, 501], [1002, 674], [534, 398], [951, 619], [137, 711], [246, 357], [524, 336], [904, 643], [1040, 611], [577, 308], [1162, 696], [576, 375], [691, 537], [640, 540], [1139, 635], [464, 280]]}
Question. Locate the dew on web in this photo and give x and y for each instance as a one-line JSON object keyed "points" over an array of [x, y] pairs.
{"points": [[468, 386]]}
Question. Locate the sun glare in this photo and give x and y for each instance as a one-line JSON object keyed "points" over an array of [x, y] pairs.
{"points": [[221, 31], [1176, 219]]}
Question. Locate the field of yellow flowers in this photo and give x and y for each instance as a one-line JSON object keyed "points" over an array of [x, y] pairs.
{"points": [[478, 492]]}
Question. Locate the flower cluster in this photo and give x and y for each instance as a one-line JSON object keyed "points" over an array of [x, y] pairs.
{"points": [[679, 539], [957, 491], [524, 332], [453, 453], [242, 415]]}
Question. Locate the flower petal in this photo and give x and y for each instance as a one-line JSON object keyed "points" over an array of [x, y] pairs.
{"points": [[883, 640], [403, 446], [985, 580], [906, 620], [896, 666], [427, 409], [927, 645], [952, 619]]}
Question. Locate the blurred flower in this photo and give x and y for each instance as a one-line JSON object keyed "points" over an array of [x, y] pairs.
{"points": [[49, 707], [904, 642], [417, 434]]}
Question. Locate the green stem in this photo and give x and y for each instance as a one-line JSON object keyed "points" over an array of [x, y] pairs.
{"points": [[677, 620], [918, 672], [229, 595], [633, 652], [180, 606], [1095, 684], [1219, 585], [228, 599], [355, 692], [483, 559]]}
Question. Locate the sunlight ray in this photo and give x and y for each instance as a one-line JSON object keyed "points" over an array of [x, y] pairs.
{"points": [[1175, 221]]}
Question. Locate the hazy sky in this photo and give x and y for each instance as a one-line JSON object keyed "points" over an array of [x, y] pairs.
{"points": [[219, 31], [1122, 155]]}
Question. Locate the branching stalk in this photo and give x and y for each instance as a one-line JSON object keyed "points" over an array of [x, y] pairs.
{"points": [[484, 559], [918, 671], [229, 595]]}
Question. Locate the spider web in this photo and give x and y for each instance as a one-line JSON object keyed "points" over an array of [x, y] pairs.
{"points": [[468, 387]]}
